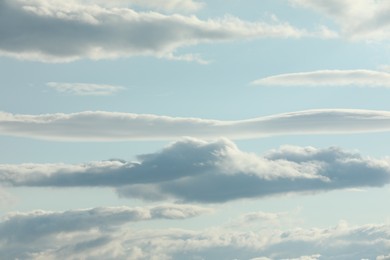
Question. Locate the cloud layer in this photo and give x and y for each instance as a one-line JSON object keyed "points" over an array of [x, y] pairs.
{"points": [[112, 126], [103, 233], [211, 172], [366, 20], [332, 78], [57, 31]]}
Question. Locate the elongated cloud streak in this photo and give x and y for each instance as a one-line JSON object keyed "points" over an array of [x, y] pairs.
{"points": [[111, 126], [59, 31], [332, 78], [211, 172], [84, 89]]}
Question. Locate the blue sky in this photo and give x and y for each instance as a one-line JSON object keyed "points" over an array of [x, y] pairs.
{"points": [[184, 129]]}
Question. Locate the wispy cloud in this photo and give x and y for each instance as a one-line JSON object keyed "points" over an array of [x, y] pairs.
{"points": [[57, 31], [85, 89], [331, 78], [102, 233], [112, 126], [211, 172], [366, 20]]}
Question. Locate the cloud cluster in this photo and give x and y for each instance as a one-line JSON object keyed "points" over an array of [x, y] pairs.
{"points": [[85, 89], [103, 233], [57, 31], [211, 172], [112, 126], [358, 19], [22, 234], [320, 78]]}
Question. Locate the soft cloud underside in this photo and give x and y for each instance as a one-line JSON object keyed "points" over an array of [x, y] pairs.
{"points": [[211, 172], [321, 78], [47, 31], [111, 126]]}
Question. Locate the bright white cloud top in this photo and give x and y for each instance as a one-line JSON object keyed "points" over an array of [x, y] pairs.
{"points": [[195, 170], [328, 78], [85, 89], [112, 126]]}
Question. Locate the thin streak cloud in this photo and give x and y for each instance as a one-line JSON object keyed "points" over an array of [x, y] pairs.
{"points": [[328, 78], [112, 126], [85, 89]]}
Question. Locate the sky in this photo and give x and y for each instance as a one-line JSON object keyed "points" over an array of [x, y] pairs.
{"points": [[189, 129]]}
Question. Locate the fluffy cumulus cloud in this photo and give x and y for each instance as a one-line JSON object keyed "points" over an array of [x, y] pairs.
{"points": [[358, 19], [321, 78], [84, 89], [112, 126], [61, 31], [105, 234], [211, 172]]}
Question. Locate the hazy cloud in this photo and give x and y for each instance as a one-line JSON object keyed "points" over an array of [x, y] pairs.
{"points": [[212, 172], [85, 89], [358, 19], [112, 126], [321, 78], [60, 31]]}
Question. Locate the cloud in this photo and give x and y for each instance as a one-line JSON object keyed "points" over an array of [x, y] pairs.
{"points": [[211, 172], [60, 31], [84, 89], [161, 5], [108, 237], [25, 231], [112, 126], [331, 78], [366, 20]]}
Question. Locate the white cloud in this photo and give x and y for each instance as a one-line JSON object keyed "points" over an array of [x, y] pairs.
{"points": [[85, 89], [112, 126], [109, 238], [60, 31], [211, 172], [358, 19], [331, 78]]}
